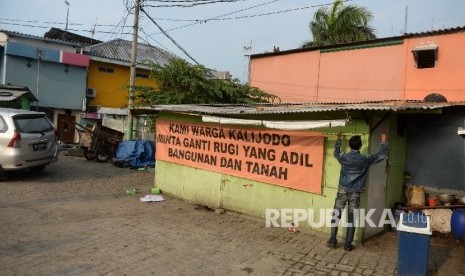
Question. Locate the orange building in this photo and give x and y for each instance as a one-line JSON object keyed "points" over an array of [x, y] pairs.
{"points": [[407, 67]]}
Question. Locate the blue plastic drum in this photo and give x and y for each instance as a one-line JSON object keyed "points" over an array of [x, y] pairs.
{"points": [[457, 224]]}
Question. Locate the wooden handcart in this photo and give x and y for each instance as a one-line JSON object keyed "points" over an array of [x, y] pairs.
{"points": [[99, 142]]}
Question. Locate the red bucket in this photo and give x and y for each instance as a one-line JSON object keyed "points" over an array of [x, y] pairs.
{"points": [[432, 201]]}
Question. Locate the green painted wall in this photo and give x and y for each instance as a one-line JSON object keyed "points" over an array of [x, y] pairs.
{"points": [[25, 103], [22, 103], [395, 176], [216, 190]]}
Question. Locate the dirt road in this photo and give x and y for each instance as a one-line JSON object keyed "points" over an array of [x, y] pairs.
{"points": [[75, 219]]}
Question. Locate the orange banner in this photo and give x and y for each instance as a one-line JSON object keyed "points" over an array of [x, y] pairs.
{"points": [[292, 159]]}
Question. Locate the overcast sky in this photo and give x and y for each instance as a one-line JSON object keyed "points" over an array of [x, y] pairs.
{"points": [[220, 43]]}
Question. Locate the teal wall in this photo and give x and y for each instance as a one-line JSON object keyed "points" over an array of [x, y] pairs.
{"points": [[216, 190], [57, 88]]}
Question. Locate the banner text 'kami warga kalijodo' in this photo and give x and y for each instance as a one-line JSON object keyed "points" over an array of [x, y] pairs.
{"points": [[292, 159]]}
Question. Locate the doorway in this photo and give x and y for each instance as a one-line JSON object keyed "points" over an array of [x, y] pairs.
{"points": [[376, 184], [66, 128]]}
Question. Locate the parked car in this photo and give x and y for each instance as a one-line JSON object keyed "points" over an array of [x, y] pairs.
{"points": [[28, 141]]}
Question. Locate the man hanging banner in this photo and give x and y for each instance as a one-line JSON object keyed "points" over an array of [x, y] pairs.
{"points": [[292, 159]]}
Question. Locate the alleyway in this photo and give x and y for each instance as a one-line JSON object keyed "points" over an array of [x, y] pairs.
{"points": [[75, 219]]}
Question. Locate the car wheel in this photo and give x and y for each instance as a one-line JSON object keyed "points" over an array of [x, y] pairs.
{"points": [[102, 154], [2, 174], [89, 155]]}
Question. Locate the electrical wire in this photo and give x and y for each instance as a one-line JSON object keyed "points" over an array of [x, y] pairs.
{"points": [[72, 30], [177, 44], [222, 15], [169, 37], [189, 1], [149, 37], [122, 23], [196, 21], [190, 4], [60, 23]]}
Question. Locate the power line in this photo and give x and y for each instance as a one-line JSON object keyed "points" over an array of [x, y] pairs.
{"points": [[48, 27], [245, 16], [222, 15], [150, 37], [59, 23], [195, 21], [123, 26], [175, 43], [189, 1], [189, 4], [169, 37], [276, 12]]}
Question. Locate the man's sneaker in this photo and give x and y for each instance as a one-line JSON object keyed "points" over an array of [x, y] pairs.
{"points": [[349, 248], [331, 244]]}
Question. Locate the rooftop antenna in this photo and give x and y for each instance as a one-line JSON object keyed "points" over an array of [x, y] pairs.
{"points": [[248, 50], [93, 28], [67, 14]]}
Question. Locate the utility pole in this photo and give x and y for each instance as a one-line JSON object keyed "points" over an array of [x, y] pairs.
{"points": [[39, 58], [67, 14], [132, 77], [406, 19]]}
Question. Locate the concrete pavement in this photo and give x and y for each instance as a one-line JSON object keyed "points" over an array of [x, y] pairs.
{"points": [[75, 219]]}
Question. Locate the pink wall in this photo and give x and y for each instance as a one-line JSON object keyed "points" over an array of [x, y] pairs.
{"points": [[350, 75], [74, 59], [448, 75], [369, 74], [292, 77]]}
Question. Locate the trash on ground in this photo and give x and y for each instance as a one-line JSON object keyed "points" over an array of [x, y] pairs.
{"points": [[220, 211], [152, 198], [155, 190], [131, 191]]}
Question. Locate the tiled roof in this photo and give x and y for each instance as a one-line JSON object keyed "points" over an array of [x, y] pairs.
{"points": [[120, 49], [247, 109], [9, 93]]}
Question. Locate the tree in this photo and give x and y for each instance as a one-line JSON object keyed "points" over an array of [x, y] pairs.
{"points": [[182, 83], [340, 24]]}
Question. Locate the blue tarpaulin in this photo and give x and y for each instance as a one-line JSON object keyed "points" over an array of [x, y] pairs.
{"points": [[135, 154]]}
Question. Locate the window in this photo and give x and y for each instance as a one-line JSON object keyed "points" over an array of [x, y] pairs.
{"points": [[142, 75], [106, 70], [425, 56], [3, 125], [32, 123]]}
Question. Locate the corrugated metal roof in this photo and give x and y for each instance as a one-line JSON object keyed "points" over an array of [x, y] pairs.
{"points": [[230, 109], [10, 93], [16, 34], [426, 47], [437, 32], [111, 110], [120, 49]]}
